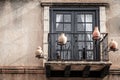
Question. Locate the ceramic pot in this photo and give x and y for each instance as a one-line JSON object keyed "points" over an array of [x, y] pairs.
{"points": [[113, 44], [62, 39], [96, 33]]}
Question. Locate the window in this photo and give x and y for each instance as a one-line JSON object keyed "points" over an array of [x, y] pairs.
{"points": [[78, 25]]}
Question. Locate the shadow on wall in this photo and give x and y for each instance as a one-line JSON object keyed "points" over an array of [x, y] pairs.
{"points": [[2, 4], [13, 10]]}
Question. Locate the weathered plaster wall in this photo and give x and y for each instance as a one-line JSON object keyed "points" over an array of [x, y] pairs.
{"points": [[20, 32], [22, 77], [113, 28], [112, 77], [43, 77]]}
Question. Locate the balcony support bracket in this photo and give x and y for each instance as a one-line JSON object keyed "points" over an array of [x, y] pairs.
{"points": [[48, 70], [105, 71], [67, 71], [86, 71]]}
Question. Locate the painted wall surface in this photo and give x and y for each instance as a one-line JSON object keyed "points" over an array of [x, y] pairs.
{"points": [[43, 77], [113, 27], [21, 31], [22, 77]]}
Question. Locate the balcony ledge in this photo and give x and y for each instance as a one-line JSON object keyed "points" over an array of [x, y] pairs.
{"points": [[80, 62], [78, 65], [77, 68]]}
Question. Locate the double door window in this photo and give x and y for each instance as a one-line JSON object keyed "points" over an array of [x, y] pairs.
{"points": [[78, 25]]}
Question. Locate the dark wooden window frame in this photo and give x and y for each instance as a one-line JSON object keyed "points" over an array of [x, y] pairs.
{"points": [[87, 9]]}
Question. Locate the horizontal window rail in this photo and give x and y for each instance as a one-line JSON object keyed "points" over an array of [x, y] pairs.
{"points": [[79, 47]]}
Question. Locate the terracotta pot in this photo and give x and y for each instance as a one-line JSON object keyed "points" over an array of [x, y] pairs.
{"points": [[113, 44], [62, 39], [39, 52], [96, 33]]}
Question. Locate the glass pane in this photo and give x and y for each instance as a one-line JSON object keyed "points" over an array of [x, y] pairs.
{"points": [[89, 45], [81, 45], [80, 27], [81, 37], [67, 46], [65, 55], [59, 27], [88, 27], [59, 17], [89, 55], [67, 27], [67, 18], [57, 46], [89, 18], [89, 37], [56, 37], [80, 55], [80, 18], [68, 37]]}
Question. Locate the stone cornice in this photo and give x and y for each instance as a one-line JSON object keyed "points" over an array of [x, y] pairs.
{"points": [[115, 71], [21, 70], [73, 4], [35, 70]]}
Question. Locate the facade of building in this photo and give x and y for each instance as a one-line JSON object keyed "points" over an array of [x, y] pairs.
{"points": [[27, 24]]}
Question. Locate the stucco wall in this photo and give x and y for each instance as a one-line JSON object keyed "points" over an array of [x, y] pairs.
{"points": [[22, 77], [20, 32], [43, 77], [113, 28]]}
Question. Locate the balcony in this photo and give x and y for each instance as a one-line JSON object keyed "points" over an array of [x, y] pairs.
{"points": [[81, 56]]}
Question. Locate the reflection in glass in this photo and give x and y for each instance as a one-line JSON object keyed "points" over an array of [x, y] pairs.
{"points": [[89, 18], [81, 45], [67, 18], [65, 55], [66, 46], [88, 27], [59, 17], [89, 37], [80, 27], [68, 37], [80, 18], [80, 55], [89, 45], [81, 37], [67, 27], [57, 46], [89, 55], [59, 27]]}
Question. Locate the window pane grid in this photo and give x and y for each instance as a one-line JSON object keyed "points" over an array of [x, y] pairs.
{"points": [[79, 22], [63, 22], [84, 22]]}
